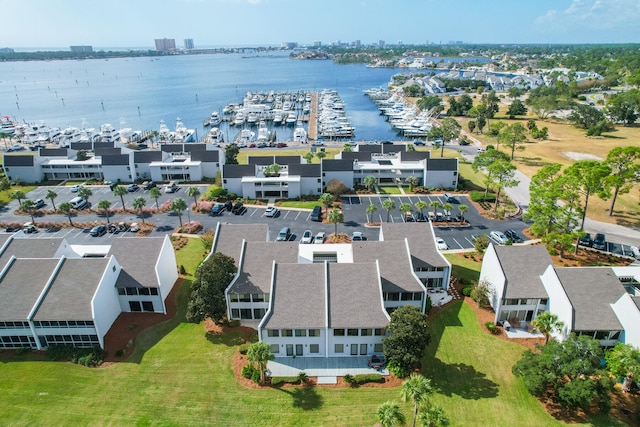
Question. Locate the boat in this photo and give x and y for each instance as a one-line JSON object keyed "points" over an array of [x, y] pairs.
{"points": [[252, 118], [214, 136], [7, 127], [127, 134], [212, 120], [245, 136], [164, 134], [182, 134], [300, 134], [239, 118], [263, 132], [291, 118], [108, 133]]}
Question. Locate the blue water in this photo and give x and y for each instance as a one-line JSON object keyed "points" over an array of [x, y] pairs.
{"points": [[142, 91]]}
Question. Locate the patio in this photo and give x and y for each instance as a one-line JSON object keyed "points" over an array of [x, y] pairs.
{"points": [[322, 366], [439, 297], [523, 330]]}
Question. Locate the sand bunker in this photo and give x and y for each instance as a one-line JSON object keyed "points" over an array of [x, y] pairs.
{"points": [[580, 156]]}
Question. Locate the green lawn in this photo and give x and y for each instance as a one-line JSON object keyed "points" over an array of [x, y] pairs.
{"points": [[389, 189], [179, 376], [5, 196], [463, 268], [301, 205], [191, 256]]}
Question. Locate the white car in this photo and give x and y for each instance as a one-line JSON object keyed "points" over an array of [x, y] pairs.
{"points": [[357, 236], [135, 227], [271, 211], [307, 237], [75, 188], [441, 244], [498, 237], [320, 237]]}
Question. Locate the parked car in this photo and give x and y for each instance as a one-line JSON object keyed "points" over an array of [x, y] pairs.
{"points": [[635, 251], [418, 142], [98, 231], [284, 234], [281, 145], [171, 188], [123, 226], [217, 209], [498, 237], [237, 209], [148, 185], [481, 150], [441, 244], [316, 214], [514, 236], [317, 143], [357, 236], [29, 228], [586, 240], [132, 187], [135, 227], [599, 242], [228, 205], [448, 198], [38, 203], [320, 237], [112, 228], [271, 211], [75, 188], [307, 237]]}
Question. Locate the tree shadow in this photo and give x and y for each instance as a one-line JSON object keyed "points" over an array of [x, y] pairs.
{"points": [[305, 398], [532, 161], [461, 380], [230, 339]]}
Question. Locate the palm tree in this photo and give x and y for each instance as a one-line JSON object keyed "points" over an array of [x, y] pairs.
{"points": [[405, 208], [178, 205], [155, 193], [105, 205], [447, 207], [119, 190], [389, 205], [346, 148], [194, 192], [334, 217], [433, 416], [421, 205], [18, 195], [435, 205], [462, 209], [371, 210], [369, 181], [66, 208], [389, 415], [260, 354], [85, 193], [417, 389], [412, 181], [326, 199], [139, 203], [29, 206], [308, 156], [51, 195], [547, 323]]}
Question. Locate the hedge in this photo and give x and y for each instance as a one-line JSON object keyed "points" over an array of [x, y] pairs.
{"points": [[285, 380]]}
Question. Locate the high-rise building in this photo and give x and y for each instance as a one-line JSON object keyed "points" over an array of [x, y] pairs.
{"points": [[317, 44], [165, 44], [81, 48], [380, 43], [188, 44]]}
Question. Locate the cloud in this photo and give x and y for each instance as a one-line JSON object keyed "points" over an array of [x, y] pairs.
{"points": [[592, 15]]}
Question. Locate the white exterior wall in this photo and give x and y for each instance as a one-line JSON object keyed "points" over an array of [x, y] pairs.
{"points": [[441, 179], [195, 173], [559, 303], [310, 185], [234, 185], [210, 169], [118, 173], [166, 270], [344, 176], [629, 317], [24, 173], [105, 305], [142, 171], [350, 341], [491, 272], [305, 341]]}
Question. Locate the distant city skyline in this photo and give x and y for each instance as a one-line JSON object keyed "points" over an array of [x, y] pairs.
{"points": [[215, 23]]}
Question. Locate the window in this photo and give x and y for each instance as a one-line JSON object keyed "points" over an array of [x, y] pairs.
{"points": [[352, 332], [314, 348], [234, 297], [147, 306], [257, 297], [245, 313], [235, 313], [543, 301], [258, 313], [338, 332], [287, 332], [135, 306], [378, 332], [314, 332], [245, 297], [377, 348], [275, 348], [273, 332], [301, 332], [154, 291], [406, 296], [338, 348], [366, 332]]}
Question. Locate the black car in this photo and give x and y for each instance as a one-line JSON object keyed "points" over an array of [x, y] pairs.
{"points": [[513, 235], [237, 209], [228, 205], [149, 185], [585, 240], [599, 242], [217, 209], [98, 230]]}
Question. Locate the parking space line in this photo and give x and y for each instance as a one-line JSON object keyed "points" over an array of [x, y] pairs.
{"points": [[287, 214], [254, 211], [457, 243], [308, 217], [470, 242], [296, 218]]}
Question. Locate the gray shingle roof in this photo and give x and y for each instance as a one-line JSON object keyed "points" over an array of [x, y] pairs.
{"points": [[424, 252], [414, 155], [230, 236], [22, 285], [205, 156], [53, 152], [299, 297], [260, 160], [18, 160], [108, 152], [70, 294], [115, 160], [142, 157], [238, 171], [255, 276], [195, 147], [361, 156], [394, 264], [30, 248], [369, 148], [172, 148], [86, 146], [287, 160], [522, 267], [591, 291], [138, 258], [442, 164], [99, 145], [337, 165], [306, 170], [354, 297]]}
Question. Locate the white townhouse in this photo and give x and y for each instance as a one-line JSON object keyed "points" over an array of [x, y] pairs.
{"points": [[328, 299], [600, 302], [52, 292]]}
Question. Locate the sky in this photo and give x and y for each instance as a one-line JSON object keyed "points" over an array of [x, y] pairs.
{"points": [[214, 23]]}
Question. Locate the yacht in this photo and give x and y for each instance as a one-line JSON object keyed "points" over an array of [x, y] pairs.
{"points": [[239, 118], [263, 132], [108, 133], [291, 118], [127, 134], [164, 134], [213, 120], [182, 134], [214, 136], [246, 135], [252, 118], [299, 134]]}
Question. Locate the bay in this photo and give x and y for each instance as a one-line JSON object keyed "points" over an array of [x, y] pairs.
{"points": [[143, 91]]}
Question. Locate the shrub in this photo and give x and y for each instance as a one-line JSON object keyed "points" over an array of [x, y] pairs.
{"points": [[398, 371], [89, 357], [349, 379], [232, 196], [275, 381], [216, 193], [491, 327], [466, 291], [368, 378], [251, 373], [120, 353], [22, 350], [244, 348], [303, 377], [182, 269], [428, 305], [478, 196]]}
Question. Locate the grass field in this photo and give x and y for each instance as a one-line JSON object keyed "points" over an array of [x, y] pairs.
{"points": [[5, 196], [180, 376], [301, 205], [389, 189]]}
